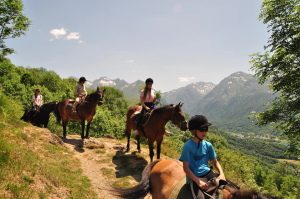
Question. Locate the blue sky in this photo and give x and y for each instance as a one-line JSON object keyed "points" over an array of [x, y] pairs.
{"points": [[174, 42]]}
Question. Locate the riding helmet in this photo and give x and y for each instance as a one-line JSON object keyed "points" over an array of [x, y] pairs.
{"points": [[82, 79], [149, 80], [198, 122]]}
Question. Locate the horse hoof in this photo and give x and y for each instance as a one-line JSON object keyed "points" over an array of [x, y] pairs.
{"points": [[82, 137], [87, 137], [139, 150]]}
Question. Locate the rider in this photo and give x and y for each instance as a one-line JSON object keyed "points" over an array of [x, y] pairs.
{"points": [[80, 93], [147, 95], [147, 100], [37, 100], [195, 156]]}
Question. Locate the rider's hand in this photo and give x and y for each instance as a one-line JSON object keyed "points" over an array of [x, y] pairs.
{"points": [[203, 185], [221, 177]]}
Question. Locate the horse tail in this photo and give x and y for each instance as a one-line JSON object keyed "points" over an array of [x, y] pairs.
{"points": [[56, 113], [140, 190]]}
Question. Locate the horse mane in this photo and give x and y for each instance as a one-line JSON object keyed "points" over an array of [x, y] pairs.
{"points": [[245, 194], [93, 95], [163, 108]]}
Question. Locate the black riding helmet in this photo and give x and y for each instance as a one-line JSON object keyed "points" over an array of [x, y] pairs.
{"points": [[199, 122], [82, 79], [149, 80]]}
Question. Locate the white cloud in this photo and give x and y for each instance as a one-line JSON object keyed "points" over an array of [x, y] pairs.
{"points": [[73, 36], [185, 79], [131, 61], [58, 32]]}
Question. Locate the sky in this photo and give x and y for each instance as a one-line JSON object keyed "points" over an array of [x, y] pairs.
{"points": [[176, 42]]}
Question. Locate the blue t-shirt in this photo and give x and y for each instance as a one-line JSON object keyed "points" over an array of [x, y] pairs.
{"points": [[198, 156]]}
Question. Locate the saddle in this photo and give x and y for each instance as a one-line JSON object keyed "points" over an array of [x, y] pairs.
{"points": [[142, 118]]}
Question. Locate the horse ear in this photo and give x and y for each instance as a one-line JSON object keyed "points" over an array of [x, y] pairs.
{"points": [[181, 104], [97, 88]]}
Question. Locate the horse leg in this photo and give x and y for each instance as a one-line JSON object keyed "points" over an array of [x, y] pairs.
{"points": [[151, 152], [138, 143], [87, 130], [64, 124], [158, 143], [46, 122], [127, 133], [82, 128], [128, 143]]}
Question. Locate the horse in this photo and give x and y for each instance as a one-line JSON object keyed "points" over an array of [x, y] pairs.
{"points": [[154, 128], [161, 179], [85, 112], [41, 117]]}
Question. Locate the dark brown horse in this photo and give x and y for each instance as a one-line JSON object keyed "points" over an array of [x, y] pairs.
{"points": [[154, 129], [41, 117], [85, 112], [162, 177]]}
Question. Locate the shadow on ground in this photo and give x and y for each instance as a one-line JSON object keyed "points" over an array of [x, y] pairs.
{"points": [[77, 143], [129, 165]]}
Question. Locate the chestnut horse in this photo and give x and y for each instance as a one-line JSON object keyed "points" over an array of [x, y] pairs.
{"points": [[161, 177], [154, 129], [85, 111]]}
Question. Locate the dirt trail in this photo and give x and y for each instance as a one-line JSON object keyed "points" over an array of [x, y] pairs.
{"points": [[104, 163]]}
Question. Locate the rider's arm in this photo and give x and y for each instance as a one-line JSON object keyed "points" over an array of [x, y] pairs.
{"points": [[84, 90], [76, 91], [41, 102], [218, 167], [142, 100], [191, 176]]}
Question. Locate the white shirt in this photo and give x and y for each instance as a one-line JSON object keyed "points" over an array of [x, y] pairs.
{"points": [[149, 97], [38, 100]]}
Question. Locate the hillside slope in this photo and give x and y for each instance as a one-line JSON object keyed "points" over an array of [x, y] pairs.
{"points": [[35, 164], [39, 164]]}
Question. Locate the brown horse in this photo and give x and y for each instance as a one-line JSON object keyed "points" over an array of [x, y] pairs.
{"points": [[85, 111], [162, 177], [154, 129]]}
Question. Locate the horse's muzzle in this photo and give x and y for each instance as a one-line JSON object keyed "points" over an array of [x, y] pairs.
{"points": [[183, 126]]}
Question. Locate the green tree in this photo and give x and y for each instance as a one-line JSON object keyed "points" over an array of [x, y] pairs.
{"points": [[280, 64], [12, 23]]}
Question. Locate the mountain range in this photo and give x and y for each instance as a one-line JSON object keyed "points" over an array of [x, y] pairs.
{"points": [[130, 90], [229, 105]]}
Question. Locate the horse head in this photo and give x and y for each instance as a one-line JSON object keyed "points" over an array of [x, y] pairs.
{"points": [[101, 96], [244, 194], [178, 118], [97, 96]]}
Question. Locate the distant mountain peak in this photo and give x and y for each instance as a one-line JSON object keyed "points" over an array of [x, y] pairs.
{"points": [[130, 90]]}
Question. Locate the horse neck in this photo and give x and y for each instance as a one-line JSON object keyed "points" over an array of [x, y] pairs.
{"points": [[90, 103], [166, 115], [47, 108], [246, 194]]}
